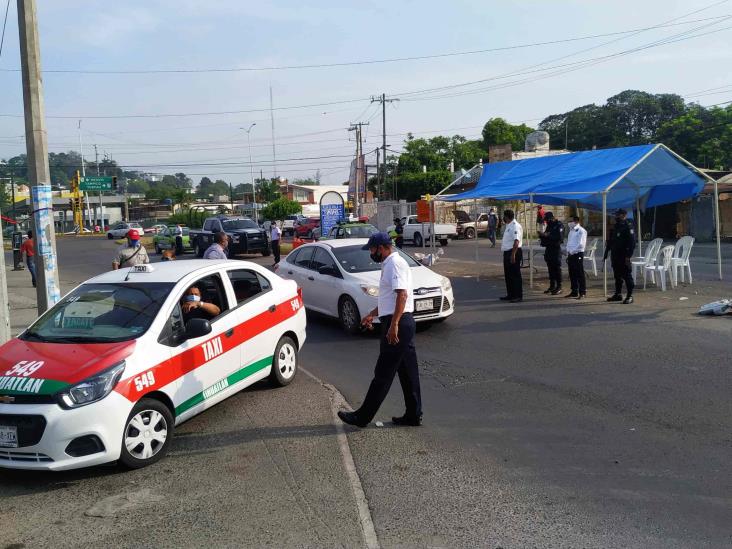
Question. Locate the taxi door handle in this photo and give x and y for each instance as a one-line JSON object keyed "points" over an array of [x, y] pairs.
{"points": [[272, 308], [310, 278], [229, 333], [289, 272]]}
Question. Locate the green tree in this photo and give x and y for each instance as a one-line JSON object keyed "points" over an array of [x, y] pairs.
{"points": [[499, 132], [702, 135], [307, 182], [137, 186], [268, 190], [279, 209]]}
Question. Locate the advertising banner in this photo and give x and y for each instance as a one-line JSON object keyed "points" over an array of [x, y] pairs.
{"points": [[332, 210], [42, 203]]}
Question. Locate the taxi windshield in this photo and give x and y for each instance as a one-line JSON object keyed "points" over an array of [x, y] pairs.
{"points": [[360, 231], [355, 260], [101, 313]]}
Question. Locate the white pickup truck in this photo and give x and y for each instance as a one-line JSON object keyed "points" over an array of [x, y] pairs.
{"points": [[417, 233]]}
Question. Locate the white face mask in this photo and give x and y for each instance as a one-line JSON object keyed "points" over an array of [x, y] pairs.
{"points": [[572, 225]]}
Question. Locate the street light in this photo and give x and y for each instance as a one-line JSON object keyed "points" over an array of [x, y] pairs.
{"points": [[251, 171]]}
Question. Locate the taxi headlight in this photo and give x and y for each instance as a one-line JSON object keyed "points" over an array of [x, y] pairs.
{"points": [[372, 291], [92, 389], [446, 284]]}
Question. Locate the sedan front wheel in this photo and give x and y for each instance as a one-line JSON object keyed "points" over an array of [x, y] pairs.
{"points": [[349, 315], [147, 434]]}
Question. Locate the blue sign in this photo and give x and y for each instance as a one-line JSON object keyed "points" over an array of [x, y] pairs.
{"points": [[332, 210]]}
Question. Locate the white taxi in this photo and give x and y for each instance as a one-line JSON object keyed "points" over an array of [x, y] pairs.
{"points": [[111, 369]]}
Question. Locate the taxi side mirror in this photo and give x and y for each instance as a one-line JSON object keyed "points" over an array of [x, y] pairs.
{"points": [[197, 327]]}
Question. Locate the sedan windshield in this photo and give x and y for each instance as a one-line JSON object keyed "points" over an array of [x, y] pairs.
{"points": [[360, 231], [101, 313], [353, 259], [239, 224]]}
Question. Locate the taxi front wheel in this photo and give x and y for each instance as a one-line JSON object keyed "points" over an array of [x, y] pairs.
{"points": [[147, 434], [284, 362]]}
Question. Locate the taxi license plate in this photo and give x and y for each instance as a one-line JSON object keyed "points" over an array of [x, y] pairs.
{"points": [[8, 436], [423, 305]]}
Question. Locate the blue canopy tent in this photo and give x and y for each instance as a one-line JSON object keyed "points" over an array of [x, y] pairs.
{"points": [[637, 177]]}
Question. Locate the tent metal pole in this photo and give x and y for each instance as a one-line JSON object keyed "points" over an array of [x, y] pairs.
{"points": [[531, 244], [475, 209], [604, 240], [719, 240], [640, 235]]}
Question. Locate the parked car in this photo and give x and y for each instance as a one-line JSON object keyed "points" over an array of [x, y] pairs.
{"points": [[468, 228], [288, 224], [339, 279], [121, 229], [351, 230], [165, 240], [155, 229], [417, 233], [306, 227], [245, 236], [110, 371]]}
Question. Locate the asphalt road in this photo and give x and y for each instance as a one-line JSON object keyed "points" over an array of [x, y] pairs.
{"points": [[550, 423]]}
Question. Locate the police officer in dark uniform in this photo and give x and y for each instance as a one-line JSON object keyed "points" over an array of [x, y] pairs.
{"points": [[551, 240], [620, 245]]}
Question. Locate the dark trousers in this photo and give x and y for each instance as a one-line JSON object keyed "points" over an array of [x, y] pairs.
{"points": [[178, 245], [276, 250], [622, 273], [31, 263], [553, 258], [394, 359], [512, 273], [492, 235], [399, 242], [576, 267]]}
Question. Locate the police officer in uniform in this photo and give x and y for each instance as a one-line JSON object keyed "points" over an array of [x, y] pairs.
{"points": [[620, 245], [551, 240], [397, 354]]}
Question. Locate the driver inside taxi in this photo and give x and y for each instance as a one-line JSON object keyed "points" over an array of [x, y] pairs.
{"points": [[194, 307]]}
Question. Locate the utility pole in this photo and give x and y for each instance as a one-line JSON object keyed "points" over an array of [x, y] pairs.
{"points": [[383, 100], [271, 117], [101, 202], [39, 175], [360, 164], [4, 302]]}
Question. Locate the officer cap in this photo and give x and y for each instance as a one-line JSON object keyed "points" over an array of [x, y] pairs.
{"points": [[620, 211], [549, 215], [378, 239]]}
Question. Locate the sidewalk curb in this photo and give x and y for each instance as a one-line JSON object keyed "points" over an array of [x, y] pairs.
{"points": [[338, 402]]}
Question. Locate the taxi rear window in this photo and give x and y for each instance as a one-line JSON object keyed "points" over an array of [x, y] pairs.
{"points": [[101, 313]]}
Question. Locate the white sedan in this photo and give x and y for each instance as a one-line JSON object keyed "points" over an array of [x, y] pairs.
{"points": [[121, 229], [339, 279]]}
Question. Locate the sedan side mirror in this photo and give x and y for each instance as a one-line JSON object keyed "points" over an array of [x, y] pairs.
{"points": [[328, 270], [197, 327]]}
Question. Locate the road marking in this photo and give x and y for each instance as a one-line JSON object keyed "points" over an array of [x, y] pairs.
{"points": [[338, 402]]}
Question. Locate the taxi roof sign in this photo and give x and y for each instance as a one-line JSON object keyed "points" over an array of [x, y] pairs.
{"points": [[144, 268]]}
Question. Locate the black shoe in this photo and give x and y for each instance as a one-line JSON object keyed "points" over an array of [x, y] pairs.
{"points": [[556, 291], [573, 294], [549, 290], [628, 300], [413, 421], [351, 418], [616, 297], [505, 298], [517, 300]]}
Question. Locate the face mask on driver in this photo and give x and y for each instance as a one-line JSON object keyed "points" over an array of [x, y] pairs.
{"points": [[193, 297]]}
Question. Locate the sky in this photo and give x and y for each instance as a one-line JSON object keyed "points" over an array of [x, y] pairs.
{"points": [[194, 122]]}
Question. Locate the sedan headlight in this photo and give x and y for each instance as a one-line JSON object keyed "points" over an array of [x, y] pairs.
{"points": [[372, 291], [93, 389], [446, 284]]}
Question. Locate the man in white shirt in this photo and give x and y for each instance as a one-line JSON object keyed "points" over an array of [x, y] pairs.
{"points": [[397, 351], [275, 236], [179, 239], [513, 235], [576, 242], [217, 250]]}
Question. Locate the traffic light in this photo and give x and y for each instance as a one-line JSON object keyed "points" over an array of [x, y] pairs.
{"points": [[71, 203], [114, 182]]}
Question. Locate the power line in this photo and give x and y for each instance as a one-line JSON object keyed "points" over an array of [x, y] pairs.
{"points": [[5, 23], [376, 61]]}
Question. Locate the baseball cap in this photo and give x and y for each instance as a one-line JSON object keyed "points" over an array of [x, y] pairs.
{"points": [[620, 211], [549, 215], [377, 239], [133, 234]]}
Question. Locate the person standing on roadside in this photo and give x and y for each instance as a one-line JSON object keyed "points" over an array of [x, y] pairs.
{"points": [[399, 230], [217, 250], [134, 253], [620, 245], [27, 249], [576, 242], [513, 235], [551, 240], [492, 226], [397, 350], [179, 239], [275, 237]]}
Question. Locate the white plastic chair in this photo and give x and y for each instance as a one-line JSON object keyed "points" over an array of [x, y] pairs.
{"points": [[661, 266], [680, 259], [590, 255], [643, 261]]}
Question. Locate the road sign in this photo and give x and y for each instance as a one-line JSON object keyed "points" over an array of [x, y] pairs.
{"points": [[96, 183]]}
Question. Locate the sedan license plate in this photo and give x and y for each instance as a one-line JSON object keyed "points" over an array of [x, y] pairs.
{"points": [[423, 305], [8, 436]]}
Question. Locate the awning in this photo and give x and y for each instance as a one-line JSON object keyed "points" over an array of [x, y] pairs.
{"points": [[651, 175]]}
